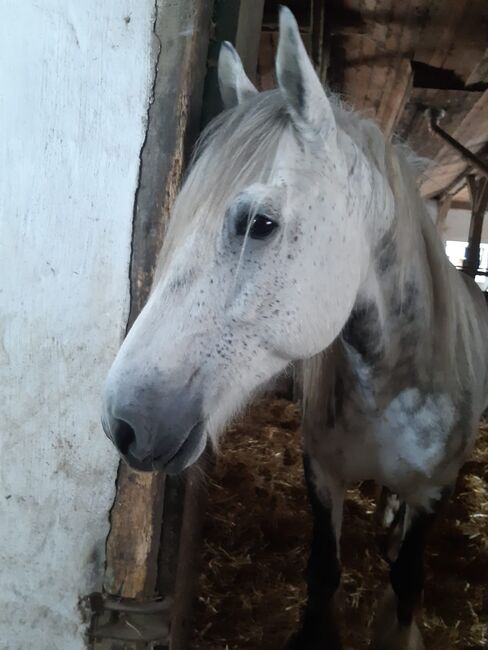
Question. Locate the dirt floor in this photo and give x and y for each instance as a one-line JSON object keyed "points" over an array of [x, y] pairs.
{"points": [[256, 542]]}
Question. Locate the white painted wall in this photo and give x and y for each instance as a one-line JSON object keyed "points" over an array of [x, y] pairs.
{"points": [[74, 83]]}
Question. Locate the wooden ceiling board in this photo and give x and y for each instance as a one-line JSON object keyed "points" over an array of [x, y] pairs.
{"points": [[376, 74], [372, 45], [413, 127], [455, 36], [472, 132]]}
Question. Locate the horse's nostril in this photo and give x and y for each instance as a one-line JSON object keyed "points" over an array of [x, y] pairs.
{"points": [[124, 436]]}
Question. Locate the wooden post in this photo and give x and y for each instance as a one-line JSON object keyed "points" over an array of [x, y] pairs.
{"points": [[443, 207], [478, 188], [181, 38]]}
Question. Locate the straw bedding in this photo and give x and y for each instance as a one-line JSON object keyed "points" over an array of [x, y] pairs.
{"points": [[256, 542]]}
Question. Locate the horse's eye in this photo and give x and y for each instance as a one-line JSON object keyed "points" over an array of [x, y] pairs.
{"points": [[260, 228]]}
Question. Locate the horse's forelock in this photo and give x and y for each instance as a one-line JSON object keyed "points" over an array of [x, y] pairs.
{"points": [[238, 148]]}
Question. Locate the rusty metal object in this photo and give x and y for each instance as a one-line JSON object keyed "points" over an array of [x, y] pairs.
{"points": [[433, 117], [122, 619]]}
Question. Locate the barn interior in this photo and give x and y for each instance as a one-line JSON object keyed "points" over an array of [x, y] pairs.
{"points": [[390, 61], [409, 66]]}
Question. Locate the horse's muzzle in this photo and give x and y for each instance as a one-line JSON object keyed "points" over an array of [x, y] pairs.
{"points": [[160, 433]]}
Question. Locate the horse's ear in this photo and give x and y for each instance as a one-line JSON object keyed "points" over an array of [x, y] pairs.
{"points": [[235, 87], [306, 99]]}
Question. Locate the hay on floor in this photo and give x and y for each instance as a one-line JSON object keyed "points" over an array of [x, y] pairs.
{"points": [[256, 543]]}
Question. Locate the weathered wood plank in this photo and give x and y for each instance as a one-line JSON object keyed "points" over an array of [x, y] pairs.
{"points": [[182, 31], [374, 53], [478, 188], [188, 563], [454, 37], [472, 132], [393, 104], [372, 44], [413, 126], [182, 28], [133, 542]]}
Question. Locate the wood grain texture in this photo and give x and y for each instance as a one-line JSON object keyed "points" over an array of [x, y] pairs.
{"points": [[182, 31], [133, 543], [455, 36], [413, 127], [472, 132], [188, 556], [373, 54], [374, 41], [182, 35]]}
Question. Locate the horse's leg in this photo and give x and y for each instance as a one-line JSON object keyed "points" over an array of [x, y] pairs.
{"points": [[396, 628], [318, 625], [390, 513]]}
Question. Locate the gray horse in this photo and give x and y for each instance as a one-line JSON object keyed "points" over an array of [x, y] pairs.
{"points": [[299, 235]]}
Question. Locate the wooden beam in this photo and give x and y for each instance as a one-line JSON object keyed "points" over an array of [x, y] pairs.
{"points": [[474, 161], [391, 108], [454, 36], [413, 127], [181, 37], [133, 542], [472, 131], [460, 205], [186, 555], [371, 55], [478, 188], [373, 43], [479, 74]]}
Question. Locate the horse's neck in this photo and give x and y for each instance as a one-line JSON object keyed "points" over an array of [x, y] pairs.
{"points": [[389, 327]]}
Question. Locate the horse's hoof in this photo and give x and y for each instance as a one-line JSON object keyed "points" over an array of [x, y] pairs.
{"points": [[389, 634]]}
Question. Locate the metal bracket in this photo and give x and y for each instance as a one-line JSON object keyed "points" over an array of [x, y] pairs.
{"points": [[139, 624], [434, 116]]}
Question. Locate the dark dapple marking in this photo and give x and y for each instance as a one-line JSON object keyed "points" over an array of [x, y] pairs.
{"points": [[363, 332], [385, 254], [404, 303], [323, 575], [290, 79]]}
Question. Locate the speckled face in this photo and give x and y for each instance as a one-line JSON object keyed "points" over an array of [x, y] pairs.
{"points": [[272, 282]]}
